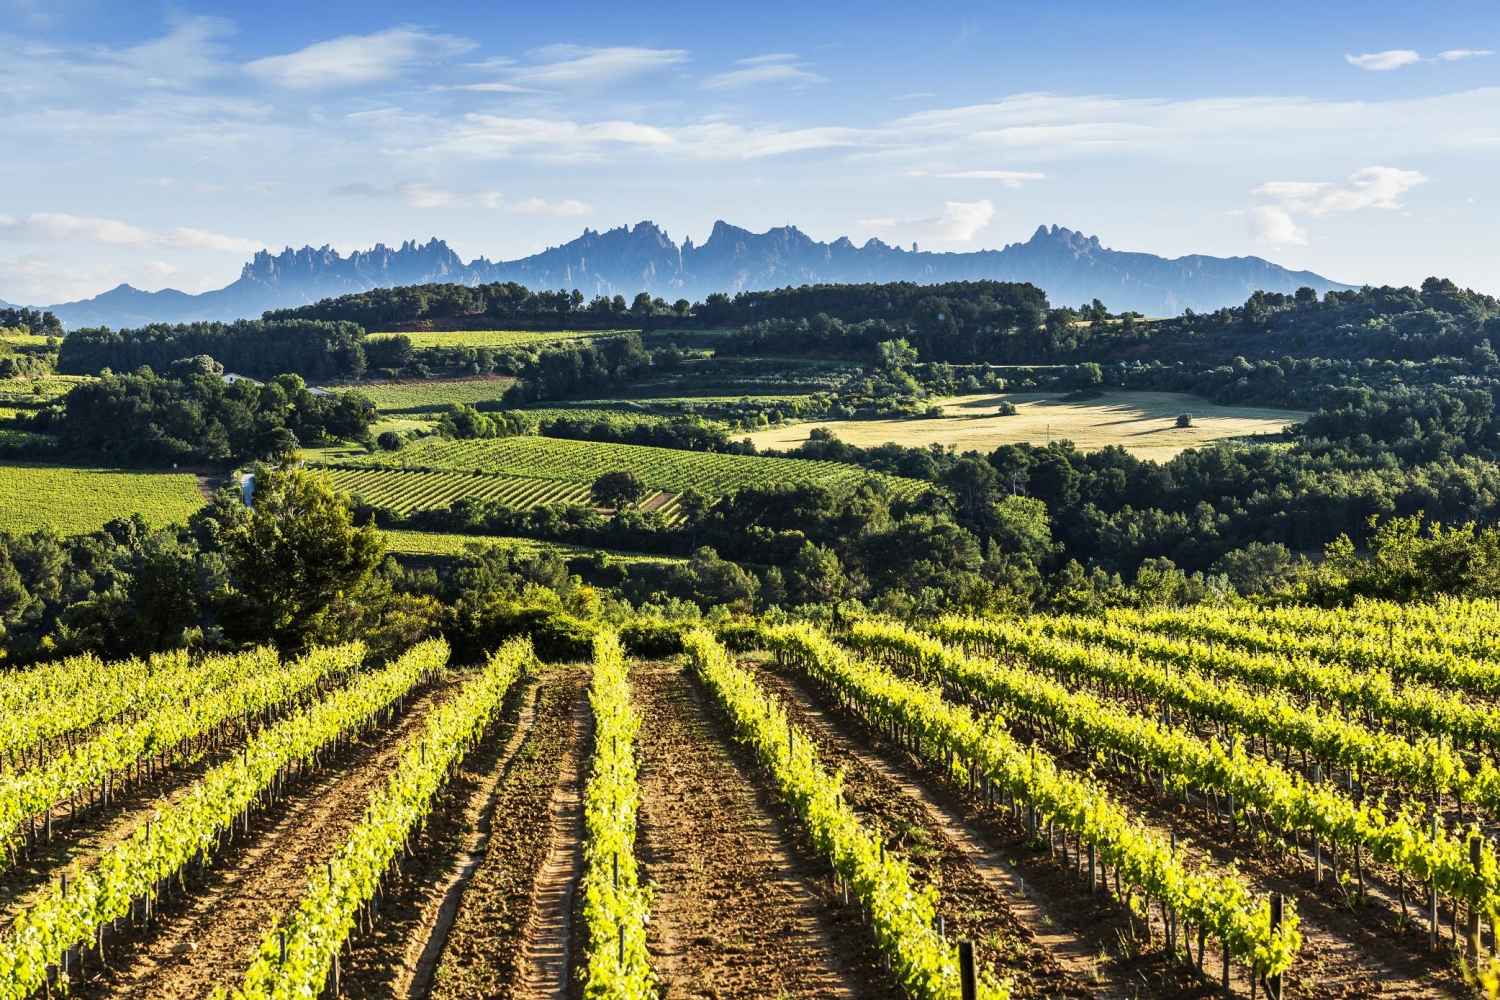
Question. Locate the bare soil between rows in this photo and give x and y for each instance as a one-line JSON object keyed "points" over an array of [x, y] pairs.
{"points": [[484, 954], [740, 907]]}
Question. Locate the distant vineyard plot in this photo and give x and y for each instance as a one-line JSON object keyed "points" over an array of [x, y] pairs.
{"points": [[433, 395], [1143, 423], [407, 491], [584, 461], [440, 543], [498, 338], [76, 501]]}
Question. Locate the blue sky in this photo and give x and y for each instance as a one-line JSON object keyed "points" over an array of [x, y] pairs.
{"points": [[161, 144]]}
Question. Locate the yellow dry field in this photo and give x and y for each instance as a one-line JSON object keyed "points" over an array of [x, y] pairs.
{"points": [[1143, 423]]}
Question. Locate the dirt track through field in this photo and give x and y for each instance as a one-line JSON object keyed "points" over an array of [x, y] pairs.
{"points": [[484, 953], [735, 911], [209, 939], [1076, 957], [425, 944], [548, 955]]}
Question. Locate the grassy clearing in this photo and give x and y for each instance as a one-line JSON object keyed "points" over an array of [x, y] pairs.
{"points": [[10, 338], [1143, 423], [74, 501], [498, 338], [436, 543]]}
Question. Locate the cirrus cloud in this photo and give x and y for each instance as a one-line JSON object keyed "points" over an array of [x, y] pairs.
{"points": [[776, 68], [353, 60], [59, 227], [1396, 58], [423, 194]]}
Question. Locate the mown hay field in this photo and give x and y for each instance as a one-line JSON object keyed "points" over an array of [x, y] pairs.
{"points": [[1143, 423]]}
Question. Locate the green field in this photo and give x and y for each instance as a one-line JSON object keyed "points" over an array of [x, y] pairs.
{"points": [[498, 338], [74, 501], [584, 461], [437, 543], [431, 395], [404, 492], [11, 338], [35, 391]]}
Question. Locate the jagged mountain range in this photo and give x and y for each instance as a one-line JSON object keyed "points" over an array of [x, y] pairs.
{"points": [[1070, 267]]}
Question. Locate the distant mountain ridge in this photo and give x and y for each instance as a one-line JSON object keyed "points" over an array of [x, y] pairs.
{"points": [[1070, 267]]}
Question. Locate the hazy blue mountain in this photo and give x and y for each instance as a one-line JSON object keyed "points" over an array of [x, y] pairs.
{"points": [[1071, 267]]}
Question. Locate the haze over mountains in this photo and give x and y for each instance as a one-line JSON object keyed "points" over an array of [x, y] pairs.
{"points": [[1070, 267]]}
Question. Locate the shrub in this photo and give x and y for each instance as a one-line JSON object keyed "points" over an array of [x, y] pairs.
{"points": [[1184, 420], [390, 441]]}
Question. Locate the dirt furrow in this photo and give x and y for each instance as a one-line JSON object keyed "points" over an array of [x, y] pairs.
{"points": [[549, 951], [209, 938], [483, 953], [425, 942], [1034, 903], [737, 911]]}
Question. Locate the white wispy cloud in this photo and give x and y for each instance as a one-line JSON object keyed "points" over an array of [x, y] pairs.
{"points": [[354, 60], [1006, 178], [1372, 187], [1396, 58], [424, 194], [772, 69], [58, 227], [494, 135], [1389, 59], [958, 222], [577, 66]]}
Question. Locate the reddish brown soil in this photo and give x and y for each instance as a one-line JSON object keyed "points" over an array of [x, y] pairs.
{"points": [[738, 909], [207, 938], [485, 947], [1029, 920]]}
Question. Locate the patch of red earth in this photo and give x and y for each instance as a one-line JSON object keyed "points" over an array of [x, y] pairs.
{"points": [[658, 502]]}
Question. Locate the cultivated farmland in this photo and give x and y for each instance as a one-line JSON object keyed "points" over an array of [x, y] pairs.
{"points": [[77, 501], [433, 395], [1175, 804], [500, 338], [584, 461], [1143, 423]]}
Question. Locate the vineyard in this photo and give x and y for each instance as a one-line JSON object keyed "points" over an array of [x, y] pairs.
{"points": [[404, 492], [499, 339], [1183, 803], [664, 469], [433, 395], [77, 500]]}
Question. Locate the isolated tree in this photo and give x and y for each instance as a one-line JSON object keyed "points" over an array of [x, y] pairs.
{"points": [[618, 489], [295, 558]]}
